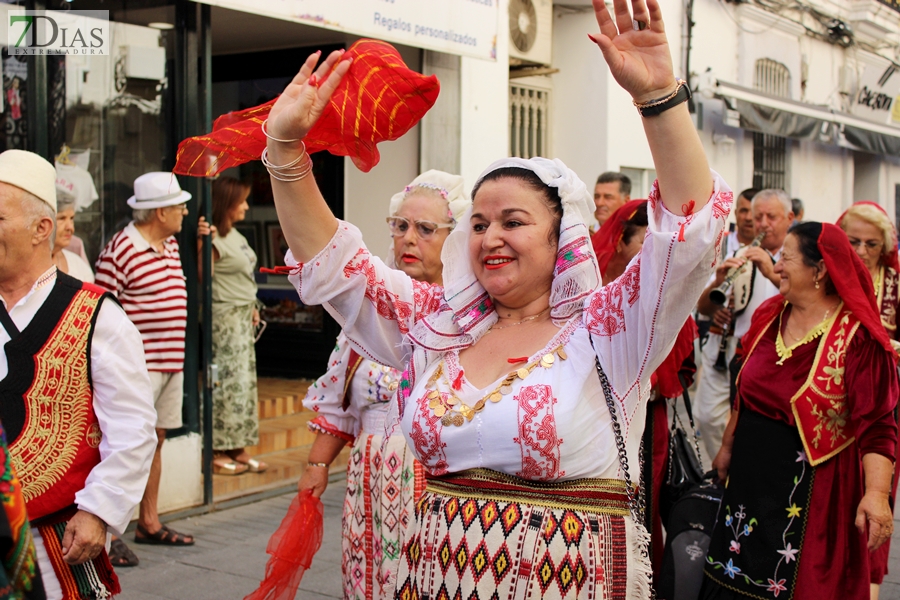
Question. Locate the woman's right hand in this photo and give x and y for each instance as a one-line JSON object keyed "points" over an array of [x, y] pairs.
{"points": [[315, 479], [722, 462], [306, 96]]}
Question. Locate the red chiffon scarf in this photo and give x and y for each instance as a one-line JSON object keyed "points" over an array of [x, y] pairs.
{"points": [[379, 99]]}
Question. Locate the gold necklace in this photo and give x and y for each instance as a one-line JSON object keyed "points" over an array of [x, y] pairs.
{"points": [[525, 320], [453, 411], [785, 352]]}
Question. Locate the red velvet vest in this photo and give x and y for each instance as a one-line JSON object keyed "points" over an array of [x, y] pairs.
{"points": [[46, 399], [820, 406]]}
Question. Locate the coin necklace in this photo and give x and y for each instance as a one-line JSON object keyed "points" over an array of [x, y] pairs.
{"points": [[453, 411]]}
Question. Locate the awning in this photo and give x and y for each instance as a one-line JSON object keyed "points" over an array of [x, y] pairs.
{"points": [[788, 118]]}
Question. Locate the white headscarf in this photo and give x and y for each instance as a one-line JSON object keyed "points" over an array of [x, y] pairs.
{"points": [[575, 275], [450, 187]]}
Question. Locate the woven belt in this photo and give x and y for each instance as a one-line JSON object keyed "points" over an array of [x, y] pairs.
{"points": [[601, 496]]}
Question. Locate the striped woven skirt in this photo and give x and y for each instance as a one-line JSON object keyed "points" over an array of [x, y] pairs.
{"points": [[383, 483], [483, 535]]}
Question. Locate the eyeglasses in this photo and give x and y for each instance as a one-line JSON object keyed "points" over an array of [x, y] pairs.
{"points": [[871, 245], [424, 229]]}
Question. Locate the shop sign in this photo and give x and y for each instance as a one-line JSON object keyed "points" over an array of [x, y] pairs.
{"points": [[463, 27], [877, 94], [58, 32]]}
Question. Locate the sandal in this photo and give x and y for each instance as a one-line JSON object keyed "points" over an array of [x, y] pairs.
{"points": [[120, 555], [229, 468], [254, 465], [163, 537]]}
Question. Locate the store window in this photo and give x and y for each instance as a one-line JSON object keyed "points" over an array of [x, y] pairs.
{"points": [[529, 110], [770, 156]]}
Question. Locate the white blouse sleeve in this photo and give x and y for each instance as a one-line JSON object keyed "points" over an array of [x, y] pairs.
{"points": [[635, 319], [326, 397], [375, 305]]}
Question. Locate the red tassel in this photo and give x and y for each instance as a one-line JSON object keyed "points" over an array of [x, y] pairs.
{"points": [[457, 383], [513, 361]]}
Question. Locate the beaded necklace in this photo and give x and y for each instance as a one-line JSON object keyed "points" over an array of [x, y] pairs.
{"points": [[453, 411]]}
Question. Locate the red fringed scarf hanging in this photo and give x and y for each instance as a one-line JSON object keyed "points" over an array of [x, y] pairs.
{"points": [[379, 99], [292, 547]]}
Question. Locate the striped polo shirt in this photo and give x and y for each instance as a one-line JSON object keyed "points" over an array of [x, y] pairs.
{"points": [[150, 285]]}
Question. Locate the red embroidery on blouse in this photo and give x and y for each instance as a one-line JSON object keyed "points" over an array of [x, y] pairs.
{"points": [[426, 438], [537, 434], [718, 248], [653, 196], [605, 315], [387, 303], [721, 205], [427, 298]]}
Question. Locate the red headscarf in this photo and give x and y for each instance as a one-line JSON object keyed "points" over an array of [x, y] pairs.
{"points": [[610, 233], [890, 259], [854, 287], [379, 99]]}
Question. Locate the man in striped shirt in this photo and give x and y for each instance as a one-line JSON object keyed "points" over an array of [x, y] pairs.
{"points": [[141, 266]]}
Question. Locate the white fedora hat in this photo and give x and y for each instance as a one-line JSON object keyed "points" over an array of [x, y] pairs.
{"points": [[157, 190], [30, 172]]}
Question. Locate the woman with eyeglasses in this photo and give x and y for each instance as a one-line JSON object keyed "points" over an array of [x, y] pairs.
{"points": [[873, 237], [351, 401]]}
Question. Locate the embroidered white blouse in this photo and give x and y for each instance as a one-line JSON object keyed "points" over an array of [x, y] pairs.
{"points": [[555, 423], [371, 389]]}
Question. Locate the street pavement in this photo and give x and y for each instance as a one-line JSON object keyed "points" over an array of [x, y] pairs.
{"points": [[229, 558]]}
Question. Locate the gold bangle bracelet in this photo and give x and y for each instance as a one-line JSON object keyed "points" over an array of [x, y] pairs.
{"points": [[315, 464]]}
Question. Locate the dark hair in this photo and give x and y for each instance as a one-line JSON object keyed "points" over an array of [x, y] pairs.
{"points": [[807, 234], [549, 194], [637, 220], [749, 193], [227, 192], [796, 206], [614, 176]]}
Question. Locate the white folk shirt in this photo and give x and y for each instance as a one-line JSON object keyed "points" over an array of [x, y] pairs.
{"points": [[555, 425], [124, 409], [372, 388]]}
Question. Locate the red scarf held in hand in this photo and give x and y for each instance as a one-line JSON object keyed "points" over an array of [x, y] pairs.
{"points": [[292, 547], [379, 99]]}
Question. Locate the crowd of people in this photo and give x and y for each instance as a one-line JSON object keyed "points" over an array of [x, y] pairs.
{"points": [[501, 378]]}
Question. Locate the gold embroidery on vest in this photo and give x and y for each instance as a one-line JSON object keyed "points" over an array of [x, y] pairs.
{"points": [[57, 411]]}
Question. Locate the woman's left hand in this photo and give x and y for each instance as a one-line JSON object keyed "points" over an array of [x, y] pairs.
{"points": [[255, 318], [639, 60], [875, 509], [204, 229]]}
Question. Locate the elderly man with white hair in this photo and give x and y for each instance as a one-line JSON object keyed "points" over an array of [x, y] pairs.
{"points": [[773, 217], [74, 392]]}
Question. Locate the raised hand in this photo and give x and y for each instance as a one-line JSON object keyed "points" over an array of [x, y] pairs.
{"points": [[636, 49], [306, 96]]}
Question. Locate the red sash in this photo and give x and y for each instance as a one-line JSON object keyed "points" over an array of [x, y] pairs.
{"points": [[58, 445], [820, 407]]}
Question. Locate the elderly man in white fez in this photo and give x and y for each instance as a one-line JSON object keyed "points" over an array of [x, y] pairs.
{"points": [[141, 266], [74, 392]]}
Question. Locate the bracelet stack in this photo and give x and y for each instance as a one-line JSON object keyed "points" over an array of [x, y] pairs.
{"points": [[295, 170], [651, 108]]}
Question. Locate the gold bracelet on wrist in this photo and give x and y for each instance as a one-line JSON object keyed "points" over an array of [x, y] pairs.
{"points": [[318, 464]]}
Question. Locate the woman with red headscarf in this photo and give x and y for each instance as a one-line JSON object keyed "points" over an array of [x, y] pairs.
{"points": [[874, 238], [617, 242], [816, 392]]}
